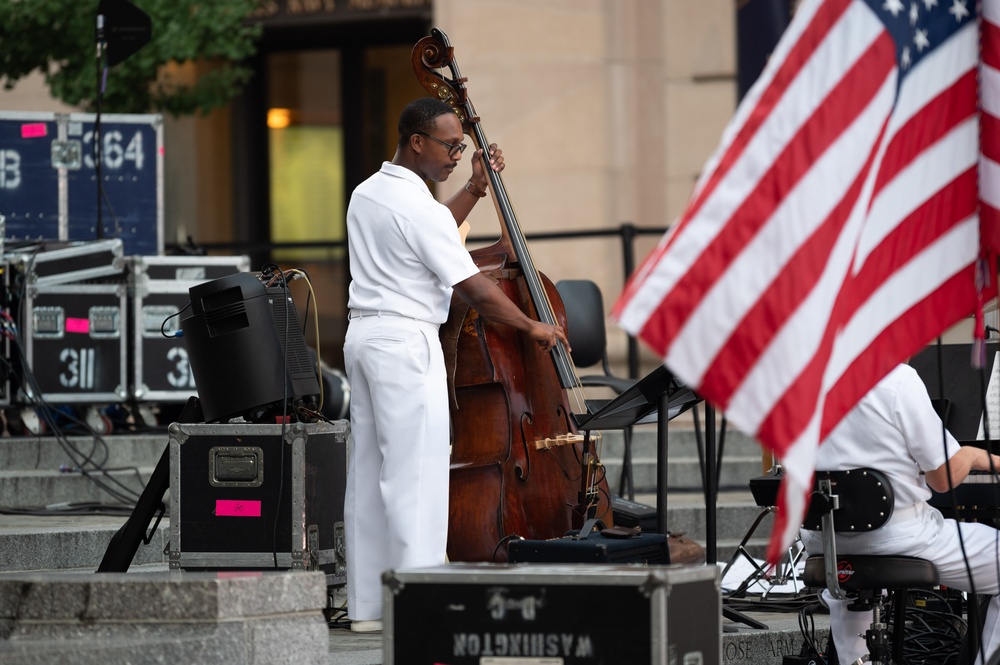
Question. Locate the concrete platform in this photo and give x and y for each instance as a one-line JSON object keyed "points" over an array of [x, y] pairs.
{"points": [[46, 546], [79, 542], [163, 617]]}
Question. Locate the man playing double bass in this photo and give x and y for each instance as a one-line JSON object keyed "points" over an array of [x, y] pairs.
{"points": [[406, 258]]}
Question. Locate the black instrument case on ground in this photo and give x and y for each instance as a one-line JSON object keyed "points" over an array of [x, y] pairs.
{"points": [[594, 546]]}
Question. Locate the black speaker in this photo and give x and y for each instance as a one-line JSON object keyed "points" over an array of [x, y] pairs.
{"points": [[242, 339]]}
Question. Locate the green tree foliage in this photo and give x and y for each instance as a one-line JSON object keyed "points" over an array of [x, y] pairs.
{"points": [[57, 37]]}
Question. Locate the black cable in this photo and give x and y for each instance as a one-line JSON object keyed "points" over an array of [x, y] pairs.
{"points": [[770, 604], [92, 508], [807, 626], [337, 619], [974, 639], [80, 459], [503, 541], [163, 325], [988, 427], [305, 316], [284, 418], [114, 216], [931, 637], [315, 414]]}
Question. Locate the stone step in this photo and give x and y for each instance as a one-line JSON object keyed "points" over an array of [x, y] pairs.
{"points": [[35, 488], [164, 617], [735, 514], [740, 460], [31, 489], [80, 541], [31, 473], [84, 546], [24, 449], [681, 442], [51, 453], [70, 542], [733, 519], [683, 473]]}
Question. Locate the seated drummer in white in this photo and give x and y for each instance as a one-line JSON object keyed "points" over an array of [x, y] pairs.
{"points": [[895, 429]]}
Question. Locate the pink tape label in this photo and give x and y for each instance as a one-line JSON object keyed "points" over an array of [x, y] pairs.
{"points": [[34, 130], [230, 508], [78, 326]]}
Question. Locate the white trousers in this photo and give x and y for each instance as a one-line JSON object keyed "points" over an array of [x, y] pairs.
{"points": [[928, 535], [396, 504]]}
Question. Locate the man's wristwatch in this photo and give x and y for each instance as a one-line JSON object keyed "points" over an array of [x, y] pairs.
{"points": [[471, 188]]}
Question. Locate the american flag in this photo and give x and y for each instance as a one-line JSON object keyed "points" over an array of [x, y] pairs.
{"points": [[836, 229]]}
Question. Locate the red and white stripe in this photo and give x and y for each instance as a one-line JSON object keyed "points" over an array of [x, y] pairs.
{"points": [[832, 235]]}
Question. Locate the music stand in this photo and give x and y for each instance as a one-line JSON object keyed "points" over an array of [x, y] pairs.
{"points": [[659, 394], [955, 387]]}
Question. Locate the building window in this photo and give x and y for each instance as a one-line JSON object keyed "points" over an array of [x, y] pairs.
{"points": [[306, 150]]}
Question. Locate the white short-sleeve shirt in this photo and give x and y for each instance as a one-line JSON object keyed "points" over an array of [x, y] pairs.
{"points": [[895, 429], [405, 250]]}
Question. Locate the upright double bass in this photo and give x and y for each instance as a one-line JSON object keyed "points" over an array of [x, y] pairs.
{"points": [[519, 467]]}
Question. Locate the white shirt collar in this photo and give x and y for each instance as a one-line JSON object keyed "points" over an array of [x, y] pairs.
{"points": [[406, 174]]}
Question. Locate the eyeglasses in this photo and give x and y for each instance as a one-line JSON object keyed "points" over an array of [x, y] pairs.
{"points": [[453, 148]]}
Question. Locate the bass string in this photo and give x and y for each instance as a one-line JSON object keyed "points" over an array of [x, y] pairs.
{"points": [[561, 357]]}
